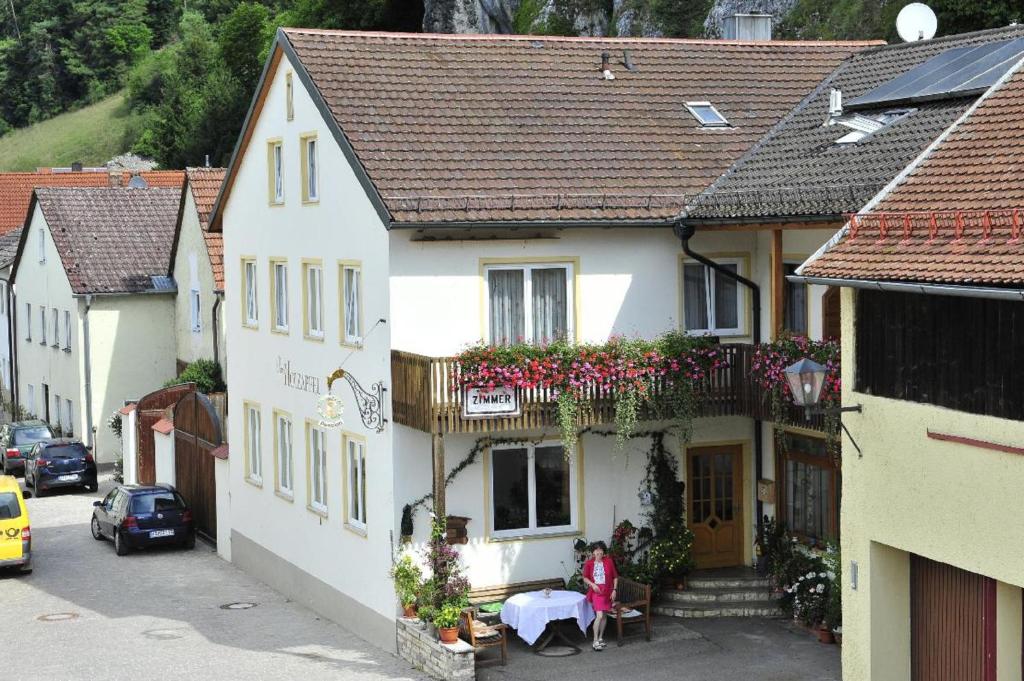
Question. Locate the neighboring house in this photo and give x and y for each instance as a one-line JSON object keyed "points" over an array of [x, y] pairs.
{"points": [[94, 318], [381, 194], [850, 138], [198, 269], [8, 249], [933, 319]]}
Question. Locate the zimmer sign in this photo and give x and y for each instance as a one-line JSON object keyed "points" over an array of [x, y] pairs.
{"points": [[482, 403]]}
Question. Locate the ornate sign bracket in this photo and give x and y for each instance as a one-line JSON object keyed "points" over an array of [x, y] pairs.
{"points": [[369, 402]]}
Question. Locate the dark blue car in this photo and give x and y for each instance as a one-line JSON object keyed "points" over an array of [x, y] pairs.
{"points": [[60, 463], [139, 516]]}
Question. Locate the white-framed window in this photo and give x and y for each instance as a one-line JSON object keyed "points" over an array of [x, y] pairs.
{"points": [[351, 296], [55, 315], [529, 303], [712, 302], [68, 424], [42, 245], [42, 325], [533, 490], [30, 403], [28, 321], [67, 330], [56, 413], [313, 295], [280, 283], [194, 311], [355, 483], [251, 310], [794, 302], [275, 171], [310, 169], [289, 96], [707, 115], [253, 444], [316, 468], [283, 460]]}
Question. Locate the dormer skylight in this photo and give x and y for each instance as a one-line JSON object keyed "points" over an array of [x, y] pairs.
{"points": [[864, 125], [707, 115]]}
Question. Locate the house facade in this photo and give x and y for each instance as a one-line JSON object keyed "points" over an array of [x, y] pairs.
{"points": [[94, 305], [932, 312], [364, 237]]}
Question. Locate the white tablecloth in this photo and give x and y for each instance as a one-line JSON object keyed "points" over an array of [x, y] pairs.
{"points": [[529, 613]]}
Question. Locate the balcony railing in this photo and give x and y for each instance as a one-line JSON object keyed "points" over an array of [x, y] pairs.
{"points": [[425, 396]]}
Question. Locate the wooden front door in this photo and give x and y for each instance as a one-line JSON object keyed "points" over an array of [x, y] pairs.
{"points": [[716, 505]]}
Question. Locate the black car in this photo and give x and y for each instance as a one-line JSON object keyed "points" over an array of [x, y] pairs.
{"points": [[138, 516], [17, 440], [60, 463]]}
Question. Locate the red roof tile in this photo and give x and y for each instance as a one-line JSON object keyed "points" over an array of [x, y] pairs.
{"points": [[205, 184], [221, 452], [127, 409], [164, 426], [953, 219], [513, 128]]}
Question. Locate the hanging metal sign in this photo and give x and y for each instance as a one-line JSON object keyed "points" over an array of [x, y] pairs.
{"points": [[484, 403], [331, 410]]}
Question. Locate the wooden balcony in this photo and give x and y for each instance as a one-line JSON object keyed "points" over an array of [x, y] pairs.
{"points": [[423, 396]]}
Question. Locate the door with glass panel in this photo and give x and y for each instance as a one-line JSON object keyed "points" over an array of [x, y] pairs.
{"points": [[529, 303], [715, 484]]}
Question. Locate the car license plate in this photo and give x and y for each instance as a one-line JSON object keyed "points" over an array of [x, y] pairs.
{"points": [[67, 478], [161, 533]]}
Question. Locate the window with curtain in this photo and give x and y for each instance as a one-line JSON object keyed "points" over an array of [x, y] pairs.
{"points": [[810, 484], [313, 289], [283, 447], [55, 318], [317, 472], [253, 440], [67, 330], [794, 310], [251, 307], [310, 190], [276, 173], [42, 325], [280, 296], [531, 490], [352, 283], [356, 483], [529, 303], [711, 300]]}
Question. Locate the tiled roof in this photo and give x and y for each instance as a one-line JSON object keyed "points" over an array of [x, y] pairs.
{"points": [[112, 240], [16, 188], [798, 170], [9, 246], [505, 128], [164, 426], [205, 184], [958, 218]]}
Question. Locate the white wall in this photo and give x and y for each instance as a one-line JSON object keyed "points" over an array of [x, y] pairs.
{"points": [[222, 480], [343, 225], [192, 270], [163, 451]]}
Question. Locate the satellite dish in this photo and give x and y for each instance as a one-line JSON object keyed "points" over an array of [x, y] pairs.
{"points": [[915, 22]]}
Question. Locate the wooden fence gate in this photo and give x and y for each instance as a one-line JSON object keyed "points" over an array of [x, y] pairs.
{"points": [[197, 432], [149, 410]]}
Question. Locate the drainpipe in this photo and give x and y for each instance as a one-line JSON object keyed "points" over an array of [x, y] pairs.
{"points": [[88, 373], [685, 232], [216, 331]]}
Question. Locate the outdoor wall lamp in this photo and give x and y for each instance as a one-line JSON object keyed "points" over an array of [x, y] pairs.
{"points": [[806, 378]]}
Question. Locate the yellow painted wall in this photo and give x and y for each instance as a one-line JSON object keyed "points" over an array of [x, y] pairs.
{"points": [[911, 494]]}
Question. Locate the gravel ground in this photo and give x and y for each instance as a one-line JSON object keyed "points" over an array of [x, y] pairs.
{"points": [[160, 610]]}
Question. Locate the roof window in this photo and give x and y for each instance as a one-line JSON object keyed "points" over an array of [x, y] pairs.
{"points": [[706, 115], [865, 125]]}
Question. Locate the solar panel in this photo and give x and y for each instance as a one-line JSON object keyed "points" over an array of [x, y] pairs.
{"points": [[957, 72]]}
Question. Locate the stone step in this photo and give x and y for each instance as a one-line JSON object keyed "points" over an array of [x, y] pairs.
{"points": [[722, 583], [693, 611], [670, 596]]}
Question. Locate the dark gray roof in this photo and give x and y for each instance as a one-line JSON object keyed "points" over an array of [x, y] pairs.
{"points": [[798, 171], [112, 240], [9, 246]]}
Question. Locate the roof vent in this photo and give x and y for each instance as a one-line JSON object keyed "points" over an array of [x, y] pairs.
{"points": [[76, 167], [137, 182], [835, 103], [747, 27], [606, 66], [627, 60]]}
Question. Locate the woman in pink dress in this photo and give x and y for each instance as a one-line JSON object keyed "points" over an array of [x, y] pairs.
{"points": [[601, 578]]}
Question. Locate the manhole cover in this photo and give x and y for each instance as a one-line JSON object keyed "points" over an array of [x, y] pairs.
{"points": [[237, 606], [58, 617], [164, 634]]}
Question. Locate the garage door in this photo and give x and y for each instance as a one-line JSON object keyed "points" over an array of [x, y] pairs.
{"points": [[952, 623]]}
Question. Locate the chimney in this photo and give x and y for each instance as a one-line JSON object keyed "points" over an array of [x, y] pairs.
{"points": [[606, 66], [747, 27], [627, 60], [76, 167], [115, 179]]}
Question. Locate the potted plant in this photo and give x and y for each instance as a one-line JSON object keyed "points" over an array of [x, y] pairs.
{"points": [[408, 578], [446, 619], [670, 556]]}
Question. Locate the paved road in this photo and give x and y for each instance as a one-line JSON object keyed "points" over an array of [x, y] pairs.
{"points": [[160, 610]]}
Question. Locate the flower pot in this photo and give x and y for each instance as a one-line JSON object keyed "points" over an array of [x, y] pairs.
{"points": [[825, 635], [838, 636], [409, 610], [450, 634]]}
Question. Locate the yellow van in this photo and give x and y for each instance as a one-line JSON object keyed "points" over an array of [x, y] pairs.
{"points": [[15, 531]]}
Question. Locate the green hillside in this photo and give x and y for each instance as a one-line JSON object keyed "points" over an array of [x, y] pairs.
{"points": [[92, 135]]}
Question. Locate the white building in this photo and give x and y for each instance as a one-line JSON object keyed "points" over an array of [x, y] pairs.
{"points": [[94, 305], [395, 198]]}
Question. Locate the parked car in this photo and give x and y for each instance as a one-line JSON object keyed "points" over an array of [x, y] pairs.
{"points": [[17, 440], [60, 463], [139, 516], [15, 530]]}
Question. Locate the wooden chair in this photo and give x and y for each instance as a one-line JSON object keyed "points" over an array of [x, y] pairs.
{"points": [[632, 596], [482, 636]]}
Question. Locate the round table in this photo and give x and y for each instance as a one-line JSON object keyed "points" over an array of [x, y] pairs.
{"points": [[532, 613]]}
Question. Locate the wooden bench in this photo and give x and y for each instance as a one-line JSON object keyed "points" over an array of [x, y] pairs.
{"points": [[501, 592], [632, 596]]}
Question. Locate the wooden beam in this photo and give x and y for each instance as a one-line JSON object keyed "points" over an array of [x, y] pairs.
{"points": [[778, 279], [437, 447]]}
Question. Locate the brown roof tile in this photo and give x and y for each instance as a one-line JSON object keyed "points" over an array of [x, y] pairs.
{"points": [[505, 128], [112, 240], [958, 218], [205, 184]]}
